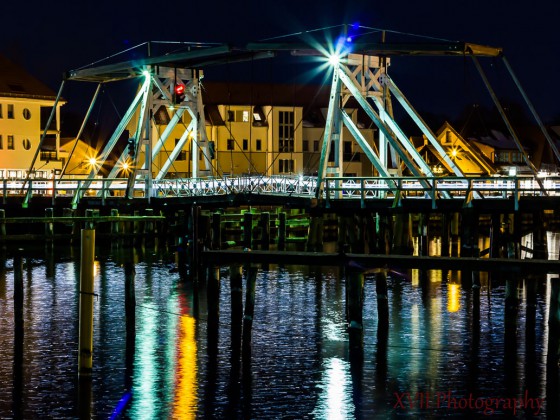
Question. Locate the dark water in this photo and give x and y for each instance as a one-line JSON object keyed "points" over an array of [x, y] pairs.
{"points": [[442, 356]]}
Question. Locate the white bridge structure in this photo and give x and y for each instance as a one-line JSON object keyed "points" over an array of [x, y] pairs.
{"points": [[334, 188], [358, 69]]}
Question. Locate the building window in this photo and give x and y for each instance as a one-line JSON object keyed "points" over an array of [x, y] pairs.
{"points": [[501, 157], [238, 116], [10, 142], [48, 155], [285, 166], [26, 113], [259, 144], [10, 111], [286, 131], [26, 144], [315, 145], [347, 147], [516, 157], [1, 142], [305, 146], [182, 154], [230, 144], [1, 115], [245, 144]]}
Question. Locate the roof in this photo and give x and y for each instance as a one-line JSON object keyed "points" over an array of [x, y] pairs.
{"points": [[15, 81]]}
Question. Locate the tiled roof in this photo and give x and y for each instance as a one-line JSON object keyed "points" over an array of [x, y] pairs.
{"points": [[15, 81]]}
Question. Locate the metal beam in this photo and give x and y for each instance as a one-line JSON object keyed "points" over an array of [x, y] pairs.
{"points": [[81, 130], [456, 48], [422, 125], [367, 149], [176, 150], [112, 141], [507, 123], [327, 137], [533, 111], [379, 122], [49, 121]]}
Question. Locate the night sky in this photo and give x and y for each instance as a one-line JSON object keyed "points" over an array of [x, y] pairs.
{"points": [[49, 38]]}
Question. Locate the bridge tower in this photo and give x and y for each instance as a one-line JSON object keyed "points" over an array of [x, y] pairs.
{"points": [[365, 78]]}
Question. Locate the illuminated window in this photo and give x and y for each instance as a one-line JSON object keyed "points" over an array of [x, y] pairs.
{"points": [[245, 116], [10, 142], [10, 111], [286, 131], [285, 166], [230, 144]]}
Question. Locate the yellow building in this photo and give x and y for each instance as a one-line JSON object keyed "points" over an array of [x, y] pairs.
{"points": [[25, 107], [256, 133]]}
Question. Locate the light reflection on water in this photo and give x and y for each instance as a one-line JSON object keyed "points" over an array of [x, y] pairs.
{"points": [[301, 365]]}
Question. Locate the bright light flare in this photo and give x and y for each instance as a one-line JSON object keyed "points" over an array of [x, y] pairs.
{"points": [[334, 60]]}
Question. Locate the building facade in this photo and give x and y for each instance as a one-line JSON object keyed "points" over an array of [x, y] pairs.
{"points": [[25, 108]]}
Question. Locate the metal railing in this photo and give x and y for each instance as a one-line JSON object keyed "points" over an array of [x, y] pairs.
{"points": [[358, 188]]}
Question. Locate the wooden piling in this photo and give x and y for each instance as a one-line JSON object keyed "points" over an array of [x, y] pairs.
{"points": [[49, 226], [149, 225], [18, 289], [402, 235], [540, 246], [382, 300], [281, 231], [195, 244], [248, 230], [129, 293], [236, 287], [355, 301], [2, 223], [423, 234], [454, 224], [250, 289], [114, 225], [495, 235], [469, 232], [445, 232], [213, 299], [265, 231], [371, 233], [315, 234], [85, 349], [216, 230], [89, 224]]}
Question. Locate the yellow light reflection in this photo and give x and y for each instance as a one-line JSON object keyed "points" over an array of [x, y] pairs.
{"points": [[185, 404], [453, 297], [415, 277]]}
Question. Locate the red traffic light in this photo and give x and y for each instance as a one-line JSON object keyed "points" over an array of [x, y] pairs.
{"points": [[179, 89], [178, 93]]}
